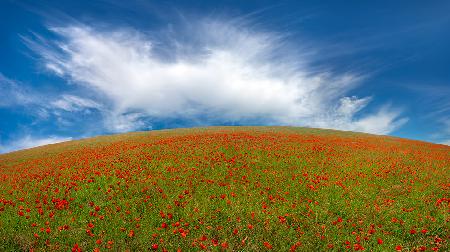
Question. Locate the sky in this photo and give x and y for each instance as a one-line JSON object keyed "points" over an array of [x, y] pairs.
{"points": [[76, 69]]}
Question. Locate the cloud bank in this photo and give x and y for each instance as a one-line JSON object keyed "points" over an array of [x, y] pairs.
{"points": [[209, 72]]}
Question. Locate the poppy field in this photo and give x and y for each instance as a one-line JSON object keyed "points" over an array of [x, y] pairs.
{"points": [[227, 189]]}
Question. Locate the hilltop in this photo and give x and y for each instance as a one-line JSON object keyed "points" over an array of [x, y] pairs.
{"points": [[227, 188]]}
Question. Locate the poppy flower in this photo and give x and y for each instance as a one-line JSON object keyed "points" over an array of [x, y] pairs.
{"points": [[267, 245]]}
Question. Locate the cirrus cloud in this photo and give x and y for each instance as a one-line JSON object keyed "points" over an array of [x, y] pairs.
{"points": [[73, 103]]}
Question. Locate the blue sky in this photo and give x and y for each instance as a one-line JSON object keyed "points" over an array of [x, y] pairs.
{"points": [[75, 69]]}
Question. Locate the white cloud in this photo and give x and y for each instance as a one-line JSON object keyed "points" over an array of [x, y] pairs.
{"points": [[72, 103], [119, 122], [29, 142], [222, 71], [42, 105], [13, 94], [447, 142], [382, 122]]}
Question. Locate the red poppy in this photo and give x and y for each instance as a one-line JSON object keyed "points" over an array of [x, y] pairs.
{"points": [[267, 245], [76, 248]]}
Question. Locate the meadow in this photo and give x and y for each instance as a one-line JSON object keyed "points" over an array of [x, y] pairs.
{"points": [[227, 189]]}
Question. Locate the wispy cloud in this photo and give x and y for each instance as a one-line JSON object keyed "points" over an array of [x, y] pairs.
{"points": [[39, 104], [444, 134], [72, 103], [13, 94], [434, 108], [210, 69], [30, 141]]}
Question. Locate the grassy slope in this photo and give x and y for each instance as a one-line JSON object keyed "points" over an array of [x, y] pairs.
{"points": [[239, 188]]}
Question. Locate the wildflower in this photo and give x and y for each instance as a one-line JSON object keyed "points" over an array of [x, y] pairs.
{"points": [[224, 245], [76, 248], [267, 245]]}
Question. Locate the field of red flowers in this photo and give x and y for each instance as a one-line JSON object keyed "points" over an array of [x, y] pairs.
{"points": [[227, 188]]}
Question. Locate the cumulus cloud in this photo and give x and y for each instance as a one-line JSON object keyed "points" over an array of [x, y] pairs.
{"points": [[218, 71], [30, 142]]}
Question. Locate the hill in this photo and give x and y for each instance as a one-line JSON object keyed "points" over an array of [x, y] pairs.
{"points": [[227, 188]]}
